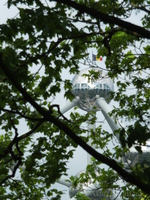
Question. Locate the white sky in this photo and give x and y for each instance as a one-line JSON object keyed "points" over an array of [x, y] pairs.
{"points": [[79, 160]]}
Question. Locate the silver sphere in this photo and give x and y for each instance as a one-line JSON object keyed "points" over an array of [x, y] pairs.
{"points": [[87, 88], [90, 189]]}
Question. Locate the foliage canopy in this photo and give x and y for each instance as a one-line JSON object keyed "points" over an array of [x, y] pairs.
{"points": [[36, 46]]}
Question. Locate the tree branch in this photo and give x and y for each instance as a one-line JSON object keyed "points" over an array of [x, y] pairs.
{"points": [[143, 8], [100, 157], [13, 172], [25, 135], [20, 114], [20, 88], [134, 29], [51, 48], [16, 140]]}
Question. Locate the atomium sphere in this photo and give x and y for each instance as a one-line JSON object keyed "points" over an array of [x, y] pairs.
{"points": [[87, 88], [91, 190]]}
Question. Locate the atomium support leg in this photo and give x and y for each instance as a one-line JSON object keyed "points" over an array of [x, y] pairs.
{"points": [[90, 127], [69, 105], [106, 109], [64, 181]]}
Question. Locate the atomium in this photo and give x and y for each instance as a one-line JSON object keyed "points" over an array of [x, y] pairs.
{"points": [[87, 88]]}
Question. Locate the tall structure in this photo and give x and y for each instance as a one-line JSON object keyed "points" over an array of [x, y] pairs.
{"points": [[92, 90]]}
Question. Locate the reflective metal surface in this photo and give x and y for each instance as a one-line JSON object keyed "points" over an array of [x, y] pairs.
{"points": [[86, 87], [90, 189]]}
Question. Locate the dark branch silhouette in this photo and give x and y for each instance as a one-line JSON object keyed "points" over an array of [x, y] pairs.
{"points": [[134, 29]]}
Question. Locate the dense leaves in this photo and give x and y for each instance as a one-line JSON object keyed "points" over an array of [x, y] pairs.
{"points": [[44, 41]]}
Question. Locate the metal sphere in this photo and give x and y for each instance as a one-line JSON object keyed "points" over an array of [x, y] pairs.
{"points": [[87, 88], [90, 189]]}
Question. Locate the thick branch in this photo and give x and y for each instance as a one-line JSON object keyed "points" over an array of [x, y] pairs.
{"points": [[134, 29], [19, 87], [101, 158]]}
